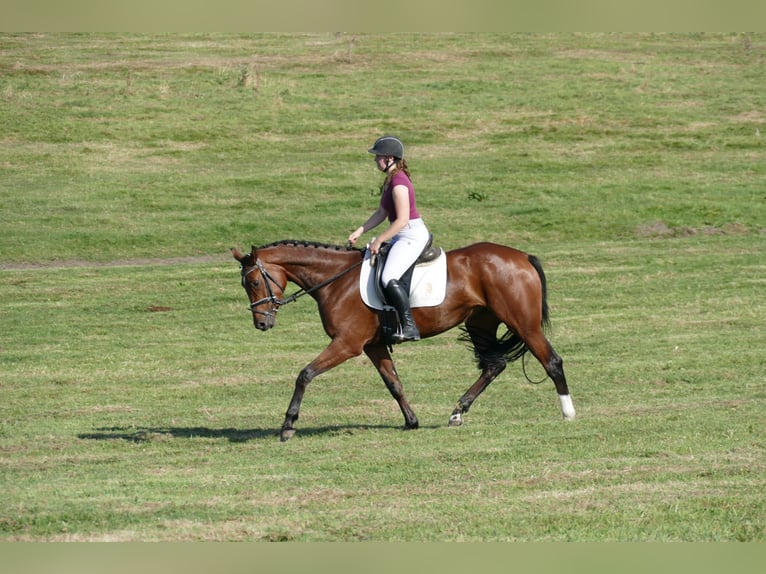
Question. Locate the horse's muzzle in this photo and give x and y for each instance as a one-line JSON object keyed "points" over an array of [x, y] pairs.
{"points": [[264, 322]]}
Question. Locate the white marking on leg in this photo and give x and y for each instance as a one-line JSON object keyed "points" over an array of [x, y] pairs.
{"points": [[567, 408], [456, 420]]}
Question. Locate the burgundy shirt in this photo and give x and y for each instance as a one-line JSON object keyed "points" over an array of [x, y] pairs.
{"points": [[387, 198]]}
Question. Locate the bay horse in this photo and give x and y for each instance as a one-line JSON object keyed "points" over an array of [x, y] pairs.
{"points": [[488, 284]]}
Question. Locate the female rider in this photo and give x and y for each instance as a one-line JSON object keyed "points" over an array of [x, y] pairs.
{"points": [[406, 231]]}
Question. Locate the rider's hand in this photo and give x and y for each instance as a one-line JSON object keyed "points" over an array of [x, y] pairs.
{"points": [[356, 234]]}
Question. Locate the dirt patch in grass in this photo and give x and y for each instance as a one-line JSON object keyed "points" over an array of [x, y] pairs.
{"points": [[137, 262], [661, 229]]}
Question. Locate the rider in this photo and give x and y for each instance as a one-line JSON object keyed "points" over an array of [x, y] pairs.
{"points": [[406, 231]]}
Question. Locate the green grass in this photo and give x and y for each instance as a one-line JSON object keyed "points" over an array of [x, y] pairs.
{"points": [[140, 404]]}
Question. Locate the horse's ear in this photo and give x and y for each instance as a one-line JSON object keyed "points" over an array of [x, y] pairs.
{"points": [[237, 255]]}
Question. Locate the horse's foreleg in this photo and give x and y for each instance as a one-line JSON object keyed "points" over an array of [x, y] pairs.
{"points": [[293, 410], [331, 357], [381, 358]]}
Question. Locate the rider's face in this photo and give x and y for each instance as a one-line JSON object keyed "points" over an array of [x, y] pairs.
{"points": [[383, 162]]}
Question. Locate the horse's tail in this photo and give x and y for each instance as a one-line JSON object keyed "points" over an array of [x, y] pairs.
{"points": [[535, 262], [490, 350]]}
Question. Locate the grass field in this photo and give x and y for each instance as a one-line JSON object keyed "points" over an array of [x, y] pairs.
{"points": [[140, 404]]}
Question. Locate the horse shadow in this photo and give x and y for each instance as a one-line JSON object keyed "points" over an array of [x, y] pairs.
{"points": [[234, 435], [153, 434]]}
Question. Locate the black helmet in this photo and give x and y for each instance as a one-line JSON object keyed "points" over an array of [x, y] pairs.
{"points": [[388, 145]]}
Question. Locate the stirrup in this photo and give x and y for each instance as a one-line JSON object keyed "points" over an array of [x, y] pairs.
{"points": [[402, 338], [404, 335]]}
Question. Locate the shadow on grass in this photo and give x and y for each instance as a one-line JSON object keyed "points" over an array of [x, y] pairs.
{"points": [[149, 434]]}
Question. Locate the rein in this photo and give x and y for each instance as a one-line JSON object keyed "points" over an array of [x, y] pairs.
{"points": [[298, 294], [524, 369]]}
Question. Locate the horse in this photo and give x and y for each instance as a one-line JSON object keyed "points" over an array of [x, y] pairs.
{"points": [[488, 284]]}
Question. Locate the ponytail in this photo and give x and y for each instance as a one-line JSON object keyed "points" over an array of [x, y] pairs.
{"points": [[399, 165]]}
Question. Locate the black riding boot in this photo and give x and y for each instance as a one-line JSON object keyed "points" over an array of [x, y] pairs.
{"points": [[399, 298]]}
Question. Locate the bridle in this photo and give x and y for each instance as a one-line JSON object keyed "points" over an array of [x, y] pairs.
{"points": [[268, 280], [275, 301]]}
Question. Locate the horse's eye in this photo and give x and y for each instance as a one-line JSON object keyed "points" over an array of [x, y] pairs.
{"points": [[255, 283]]}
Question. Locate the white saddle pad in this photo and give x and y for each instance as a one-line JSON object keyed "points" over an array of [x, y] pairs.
{"points": [[428, 287]]}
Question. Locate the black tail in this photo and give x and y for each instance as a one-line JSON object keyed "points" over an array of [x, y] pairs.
{"points": [[488, 350], [535, 262]]}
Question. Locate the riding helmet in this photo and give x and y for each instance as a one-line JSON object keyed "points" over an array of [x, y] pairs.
{"points": [[388, 145]]}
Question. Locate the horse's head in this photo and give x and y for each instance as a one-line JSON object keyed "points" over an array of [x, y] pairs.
{"points": [[264, 284]]}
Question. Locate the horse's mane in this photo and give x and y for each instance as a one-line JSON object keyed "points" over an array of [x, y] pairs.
{"points": [[312, 244]]}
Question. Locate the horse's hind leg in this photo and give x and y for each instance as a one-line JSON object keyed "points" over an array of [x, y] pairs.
{"points": [[488, 374], [381, 358], [481, 327], [554, 367]]}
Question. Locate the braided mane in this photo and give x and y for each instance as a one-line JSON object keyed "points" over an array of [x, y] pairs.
{"points": [[313, 244]]}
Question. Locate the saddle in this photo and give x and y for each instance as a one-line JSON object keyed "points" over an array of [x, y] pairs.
{"points": [[378, 262], [389, 318]]}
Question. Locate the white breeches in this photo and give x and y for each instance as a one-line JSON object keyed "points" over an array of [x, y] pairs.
{"points": [[406, 247]]}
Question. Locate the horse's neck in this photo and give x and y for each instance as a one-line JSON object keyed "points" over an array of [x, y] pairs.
{"points": [[309, 266]]}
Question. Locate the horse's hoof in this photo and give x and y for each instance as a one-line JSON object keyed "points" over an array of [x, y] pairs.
{"points": [[286, 434], [455, 420]]}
